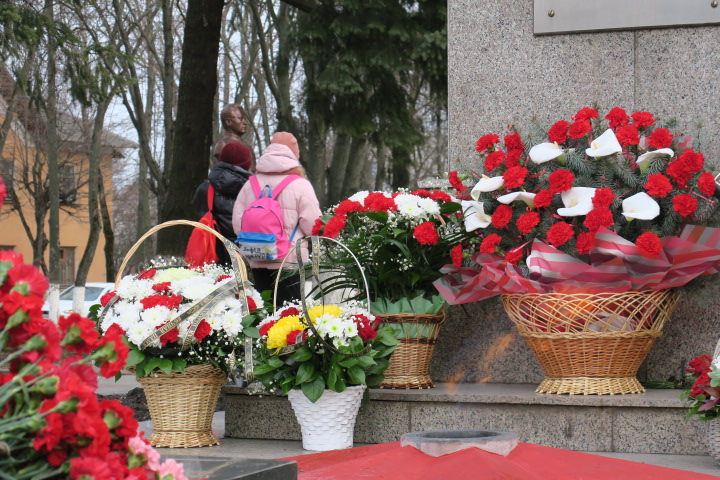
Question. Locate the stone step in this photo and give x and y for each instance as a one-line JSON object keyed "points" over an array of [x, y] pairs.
{"points": [[651, 422]]}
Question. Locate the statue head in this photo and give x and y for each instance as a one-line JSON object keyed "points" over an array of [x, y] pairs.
{"points": [[233, 119]]}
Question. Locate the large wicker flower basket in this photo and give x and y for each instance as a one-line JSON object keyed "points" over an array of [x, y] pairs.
{"points": [[590, 343], [410, 362], [182, 406]]}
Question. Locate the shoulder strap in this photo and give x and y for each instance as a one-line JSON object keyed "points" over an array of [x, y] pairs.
{"points": [[255, 185], [285, 182], [211, 196]]}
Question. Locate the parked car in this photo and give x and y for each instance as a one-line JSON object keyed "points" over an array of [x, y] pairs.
{"points": [[93, 292]]}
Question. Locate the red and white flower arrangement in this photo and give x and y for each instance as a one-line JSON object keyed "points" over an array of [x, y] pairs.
{"points": [[401, 239], [293, 355], [159, 298], [703, 397], [600, 204]]}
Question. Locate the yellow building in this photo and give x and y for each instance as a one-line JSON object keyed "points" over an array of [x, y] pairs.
{"points": [[23, 167]]}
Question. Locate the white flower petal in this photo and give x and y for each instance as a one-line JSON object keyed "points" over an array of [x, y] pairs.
{"points": [[489, 184], [640, 206], [606, 144], [526, 197], [475, 216], [545, 152], [577, 201], [646, 157]]}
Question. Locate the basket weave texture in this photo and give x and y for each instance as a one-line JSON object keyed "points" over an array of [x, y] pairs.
{"points": [[591, 344], [410, 362], [182, 406]]}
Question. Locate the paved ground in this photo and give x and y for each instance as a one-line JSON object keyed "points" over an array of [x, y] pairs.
{"points": [[270, 449]]}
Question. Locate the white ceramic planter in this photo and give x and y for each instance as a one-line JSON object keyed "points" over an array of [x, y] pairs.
{"points": [[329, 423]]}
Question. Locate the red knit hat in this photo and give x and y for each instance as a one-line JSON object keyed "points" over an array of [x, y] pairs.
{"points": [[237, 154], [289, 140]]}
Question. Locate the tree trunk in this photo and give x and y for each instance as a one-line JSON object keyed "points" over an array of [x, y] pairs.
{"points": [[193, 127], [357, 174], [400, 162], [108, 232], [52, 159], [338, 165]]}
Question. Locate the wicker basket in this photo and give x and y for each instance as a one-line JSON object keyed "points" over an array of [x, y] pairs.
{"points": [[410, 362], [182, 406], [590, 343]]}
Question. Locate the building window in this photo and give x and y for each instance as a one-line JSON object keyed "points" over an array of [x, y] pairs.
{"points": [[7, 173], [68, 184], [67, 265], [7, 248]]}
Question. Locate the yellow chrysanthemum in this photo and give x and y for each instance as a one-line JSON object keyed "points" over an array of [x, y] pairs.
{"points": [[277, 335], [321, 310]]}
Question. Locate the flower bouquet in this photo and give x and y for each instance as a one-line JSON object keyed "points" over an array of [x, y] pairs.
{"points": [[703, 397], [52, 425], [583, 234], [323, 357], [402, 240]]}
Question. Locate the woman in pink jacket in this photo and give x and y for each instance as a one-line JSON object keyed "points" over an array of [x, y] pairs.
{"points": [[300, 209]]}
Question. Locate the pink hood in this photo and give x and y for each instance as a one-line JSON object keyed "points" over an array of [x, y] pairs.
{"points": [[276, 158]]}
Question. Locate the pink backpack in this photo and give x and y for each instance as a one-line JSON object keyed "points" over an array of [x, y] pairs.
{"points": [[262, 233]]}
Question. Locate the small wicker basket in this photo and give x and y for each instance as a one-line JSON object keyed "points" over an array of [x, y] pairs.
{"points": [[182, 404], [591, 344]]}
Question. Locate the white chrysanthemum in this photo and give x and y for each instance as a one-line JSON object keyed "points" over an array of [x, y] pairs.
{"points": [[359, 196], [350, 329], [138, 332], [174, 274], [408, 206], [131, 288], [195, 288], [155, 316], [255, 295], [429, 205], [129, 313], [231, 323]]}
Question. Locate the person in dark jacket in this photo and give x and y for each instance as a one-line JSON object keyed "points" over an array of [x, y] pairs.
{"points": [[227, 178]]}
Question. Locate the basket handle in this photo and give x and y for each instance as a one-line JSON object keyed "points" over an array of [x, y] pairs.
{"points": [[717, 350]]}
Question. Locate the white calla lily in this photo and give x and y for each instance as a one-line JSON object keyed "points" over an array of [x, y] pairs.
{"points": [[486, 184], [643, 160], [526, 197], [545, 152], [577, 201], [640, 206], [604, 145], [475, 216]]}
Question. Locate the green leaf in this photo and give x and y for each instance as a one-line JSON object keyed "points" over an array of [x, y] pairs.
{"points": [[305, 373], [275, 362], [134, 357], [166, 365], [366, 361], [251, 332], [248, 320], [450, 207], [179, 364], [398, 231], [356, 375], [314, 390], [348, 362], [381, 217], [262, 369], [332, 379], [302, 354], [372, 381], [152, 364]]}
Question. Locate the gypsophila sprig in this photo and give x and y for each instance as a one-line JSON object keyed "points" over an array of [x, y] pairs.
{"points": [[146, 302], [290, 355], [401, 239]]}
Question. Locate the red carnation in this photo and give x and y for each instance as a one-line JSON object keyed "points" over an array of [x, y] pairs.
{"points": [[660, 138], [513, 143], [527, 222], [28, 275], [485, 142], [679, 173], [598, 218], [426, 233], [378, 202], [203, 330], [440, 196], [706, 183], [649, 245], [456, 254], [456, 182], [79, 333], [105, 299], [147, 274], [348, 206], [617, 117], [263, 330], [558, 133], [502, 216], [514, 256], [334, 225], [515, 177], [296, 336], [290, 311], [692, 161], [543, 198], [579, 128], [684, 204], [586, 114], [420, 193], [658, 185], [584, 243], [170, 336], [642, 119], [490, 243], [559, 233], [603, 197], [112, 365], [494, 160], [162, 287], [699, 365], [317, 227], [628, 135], [251, 304], [561, 180], [169, 301]]}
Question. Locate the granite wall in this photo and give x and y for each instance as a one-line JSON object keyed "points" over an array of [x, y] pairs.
{"points": [[501, 74]]}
